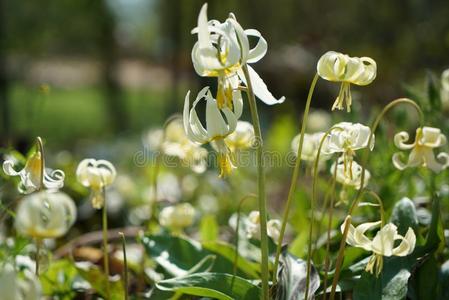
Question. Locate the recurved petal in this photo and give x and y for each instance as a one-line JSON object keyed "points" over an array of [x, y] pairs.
{"points": [[432, 137], [259, 51], [360, 239], [203, 28], [407, 244], [8, 168], [383, 242], [400, 140], [260, 88]]}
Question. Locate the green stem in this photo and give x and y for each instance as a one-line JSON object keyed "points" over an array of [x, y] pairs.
{"points": [[295, 176], [261, 185], [38, 250], [312, 208], [105, 246], [125, 266], [341, 250]]}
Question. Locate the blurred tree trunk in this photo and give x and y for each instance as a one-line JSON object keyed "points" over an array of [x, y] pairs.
{"points": [[108, 50], [4, 101]]}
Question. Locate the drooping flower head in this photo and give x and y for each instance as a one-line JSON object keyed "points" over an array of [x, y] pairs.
{"points": [[421, 155], [220, 123], [34, 176], [383, 243], [221, 51], [351, 176], [45, 214], [311, 145], [338, 67], [177, 217], [253, 227], [242, 138], [97, 175]]}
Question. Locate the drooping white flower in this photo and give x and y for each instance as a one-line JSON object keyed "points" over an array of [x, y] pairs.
{"points": [[18, 285], [338, 67], [383, 243], [421, 155], [253, 227], [318, 120], [311, 145], [34, 176], [97, 175], [349, 137], [177, 217], [221, 51], [350, 175], [220, 123], [45, 214]]}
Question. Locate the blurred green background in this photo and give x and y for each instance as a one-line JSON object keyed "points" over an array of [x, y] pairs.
{"points": [[79, 70]]}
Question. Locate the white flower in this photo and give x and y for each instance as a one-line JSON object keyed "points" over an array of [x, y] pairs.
{"points": [[96, 174], [318, 120], [220, 122], [177, 217], [177, 144], [338, 67], [426, 139], [18, 286], [349, 137], [382, 244], [242, 138], [45, 214], [253, 227], [34, 176], [310, 146], [222, 49], [350, 175]]}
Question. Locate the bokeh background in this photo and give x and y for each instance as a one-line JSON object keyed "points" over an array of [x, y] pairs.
{"points": [[82, 71]]}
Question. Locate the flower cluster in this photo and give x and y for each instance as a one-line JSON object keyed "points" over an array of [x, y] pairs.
{"points": [[223, 51]]}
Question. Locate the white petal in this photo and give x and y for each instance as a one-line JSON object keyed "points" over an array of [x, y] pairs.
{"points": [[383, 242], [259, 51], [407, 244], [399, 141], [260, 88], [215, 124], [203, 28]]}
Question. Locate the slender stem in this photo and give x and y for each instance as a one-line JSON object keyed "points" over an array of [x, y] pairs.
{"points": [[312, 208], [341, 251], [261, 185], [295, 176], [37, 258], [329, 226], [125, 266], [105, 246], [40, 149]]}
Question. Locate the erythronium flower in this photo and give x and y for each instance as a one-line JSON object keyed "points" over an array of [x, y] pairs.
{"points": [[177, 217], [34, 176], [338, 67], [310, 146], [242, 138], [96, 174], [351, 176], [18, 285], [253, 227], [382, 244], [221, 51], [45, 214], [220, 123], [346, 139], [426, 139]]}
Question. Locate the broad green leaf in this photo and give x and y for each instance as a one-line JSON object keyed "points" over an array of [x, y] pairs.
{"points": [[404, 215], [215, 285], [178, 255], [97, 279], [209, 228], [292, 276]]}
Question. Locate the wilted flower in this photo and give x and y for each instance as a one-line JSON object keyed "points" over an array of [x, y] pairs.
{"points": [[310, 146], [96, 174], [253, 227], [382, 244], [34, 176], [177, 217], [350, 176], [218, 127], [18, 286], [45, 214], [318, 120], [426, 139], [221, 51], [338, 67]]}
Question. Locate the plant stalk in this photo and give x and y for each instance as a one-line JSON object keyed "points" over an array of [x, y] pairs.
{"points": [[105, 245]]}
